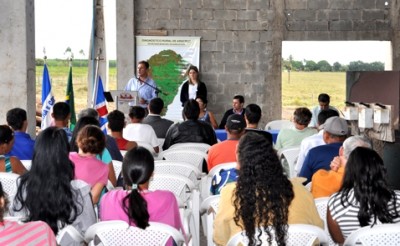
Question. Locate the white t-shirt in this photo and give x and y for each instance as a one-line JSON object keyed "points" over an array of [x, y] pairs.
{"points": [[192, 91], [141, 133]]}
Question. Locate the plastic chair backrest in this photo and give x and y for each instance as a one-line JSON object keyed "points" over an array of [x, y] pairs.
{"points": [[155, 234], [180, 168], [147, 146], [177, 184], [117, 167], [290, 154], [9, 182], [190, 146], [27, 164], [385, 234], [298, 234], [194, 157], [279, 124], [208, 210], [69, 235]]}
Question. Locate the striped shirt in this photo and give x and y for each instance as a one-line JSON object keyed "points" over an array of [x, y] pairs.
{"points": [[31, 233], [346, 217]]}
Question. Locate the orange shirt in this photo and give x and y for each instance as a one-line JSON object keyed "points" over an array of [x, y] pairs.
{"points": [[222, 152], [325, 183]]}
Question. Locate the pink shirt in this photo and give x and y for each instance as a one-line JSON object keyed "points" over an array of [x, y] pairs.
{"points": [[89, 169], [161, 205], [31, 233]]}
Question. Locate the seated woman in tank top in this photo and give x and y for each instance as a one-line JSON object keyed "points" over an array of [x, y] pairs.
{"points": [[8, 164]]}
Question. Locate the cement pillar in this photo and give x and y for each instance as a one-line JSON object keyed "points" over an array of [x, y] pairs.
{"points": [[395, 29], [97, 49], [126, 66], [17, 59]]}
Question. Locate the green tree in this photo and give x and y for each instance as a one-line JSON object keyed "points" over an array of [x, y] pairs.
{"points": [[297, 65], [336, 67], [310, 66], [324, 66]]}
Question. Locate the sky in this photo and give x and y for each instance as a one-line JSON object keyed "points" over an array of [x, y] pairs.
{"points": [[60, 24], [67, 23]]}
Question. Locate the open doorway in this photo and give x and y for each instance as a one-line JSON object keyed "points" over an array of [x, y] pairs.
{"points": [[313, 67]]}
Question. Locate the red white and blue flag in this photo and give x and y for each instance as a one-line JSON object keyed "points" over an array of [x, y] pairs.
{"points": [[101, 106]]}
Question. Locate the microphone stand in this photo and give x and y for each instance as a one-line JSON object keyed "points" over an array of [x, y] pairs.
{"points": [[153, 87]]}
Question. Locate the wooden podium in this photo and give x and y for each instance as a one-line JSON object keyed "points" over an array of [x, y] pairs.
{"points": [[124, 99]]}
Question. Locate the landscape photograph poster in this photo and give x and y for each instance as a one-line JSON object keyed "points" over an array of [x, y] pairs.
{"points": [[169, 58]]}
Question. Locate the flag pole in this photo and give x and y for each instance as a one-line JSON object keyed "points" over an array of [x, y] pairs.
{"points": [[96, 80]]}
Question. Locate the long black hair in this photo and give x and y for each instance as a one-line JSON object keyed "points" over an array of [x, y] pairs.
{"points": [[45, 192], [365, 173], [137, 168], [5, 204], [263, 192]]}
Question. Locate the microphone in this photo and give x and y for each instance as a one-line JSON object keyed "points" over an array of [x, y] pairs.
{"points": [[154, 87]]}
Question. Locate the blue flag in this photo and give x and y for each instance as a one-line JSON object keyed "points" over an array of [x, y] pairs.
{"points": [[47, 99]]}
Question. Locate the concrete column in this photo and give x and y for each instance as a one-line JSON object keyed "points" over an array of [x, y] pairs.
{"points": [[125, 42], [17, 59], [395, 29], [97, 49]]}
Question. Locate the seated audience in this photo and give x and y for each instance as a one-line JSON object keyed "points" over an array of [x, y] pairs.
{"points": [[320, 157], [237, 108], [31, 233], [314, 140], [206, 115], [116, 124], [191, 130], [61, 115], [256, 199], [8, 164], [325, 183], [139, 132], [48, 192], [23, 143], [137, 205], [293, 137], [91, 142], [226, 151], [364, 199], [160, 125], [252, 116], [323, 103], [111, 144]]}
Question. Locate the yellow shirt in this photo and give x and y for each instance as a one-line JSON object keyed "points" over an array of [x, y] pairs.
{"points": [[325, 183], [302, 210]]}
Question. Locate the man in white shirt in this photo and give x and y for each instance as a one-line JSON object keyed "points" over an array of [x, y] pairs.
{"points": [[143, 84], [138, 132], [323, 101], [314, 140]]}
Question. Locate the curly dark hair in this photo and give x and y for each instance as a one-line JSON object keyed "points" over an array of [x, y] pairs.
{"points": [[263, 192], [366, 174], [91, 139]]}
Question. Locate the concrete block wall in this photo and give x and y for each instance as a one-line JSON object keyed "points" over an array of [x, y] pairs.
{"points": [[241, 41], [236, 46]]}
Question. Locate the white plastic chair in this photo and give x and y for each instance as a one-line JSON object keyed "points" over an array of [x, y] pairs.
{"points": [[67, 233], [298, 234], [27, 164], [120, 233], [123, 152], [279, 124], [187, 196], [206, 180], [322, 206], [208, 210], [117, 167], [147, 146], [290, 155], [9, 182], [385, 234], [190, 146], [180, 168], [194, 157]]}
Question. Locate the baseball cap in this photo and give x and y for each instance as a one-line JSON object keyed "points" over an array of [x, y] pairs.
{"points": [[235, 122], [336, 126]]}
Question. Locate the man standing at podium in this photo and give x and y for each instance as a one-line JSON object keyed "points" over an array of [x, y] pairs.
{"points": [[143, 84]]}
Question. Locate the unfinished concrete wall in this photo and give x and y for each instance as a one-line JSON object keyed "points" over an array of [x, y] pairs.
{"points": [[17, 59], [242, 39]]}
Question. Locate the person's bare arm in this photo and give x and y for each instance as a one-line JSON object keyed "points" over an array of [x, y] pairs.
{"points": [[130, 145], [17, 166], [213, 121], [111, 174], [334, 228], [156, 149], [335, 163], [96, 192]]}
